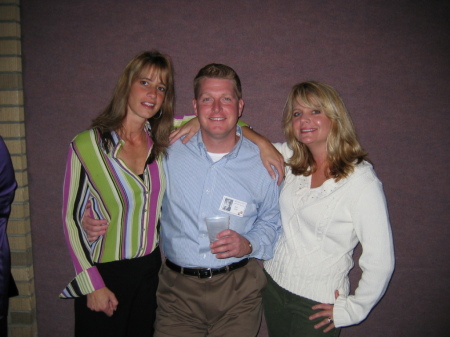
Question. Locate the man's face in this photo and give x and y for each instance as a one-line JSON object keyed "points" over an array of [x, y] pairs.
{"points": [[218, 108]]}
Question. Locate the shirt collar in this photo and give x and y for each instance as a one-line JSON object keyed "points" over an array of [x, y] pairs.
{"points": [[118, 142]]}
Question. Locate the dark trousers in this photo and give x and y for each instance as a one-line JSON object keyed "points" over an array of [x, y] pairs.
{"points": [[287, 314], [12, 291], [4, 326], [134, 283]]}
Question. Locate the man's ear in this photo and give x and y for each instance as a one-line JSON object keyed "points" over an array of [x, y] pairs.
{"points": [[194, 104], [241, 106]]}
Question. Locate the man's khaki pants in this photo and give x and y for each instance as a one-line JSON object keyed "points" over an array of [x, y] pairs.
{"points": [[226, 305]]}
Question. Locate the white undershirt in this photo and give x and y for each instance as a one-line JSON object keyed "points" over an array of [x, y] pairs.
{"points": [[216, 156]]}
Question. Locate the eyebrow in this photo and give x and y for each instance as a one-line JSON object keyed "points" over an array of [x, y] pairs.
{"points": [[149, 79], [212, 94]]}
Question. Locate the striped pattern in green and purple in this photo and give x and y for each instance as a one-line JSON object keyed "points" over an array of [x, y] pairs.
{"points": [[131, 205]]}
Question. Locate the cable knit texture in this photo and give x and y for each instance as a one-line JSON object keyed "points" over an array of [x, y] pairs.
{"points": [[321, 227]]}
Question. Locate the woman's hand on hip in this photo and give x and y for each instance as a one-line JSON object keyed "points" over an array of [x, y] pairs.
{"points": [[326, 310]]}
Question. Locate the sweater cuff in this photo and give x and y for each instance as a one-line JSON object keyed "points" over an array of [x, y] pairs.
{"points": [[84, 283], [341, 316]]}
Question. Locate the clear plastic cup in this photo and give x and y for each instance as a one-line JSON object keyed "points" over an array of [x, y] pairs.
{"points": [[216, 224]]}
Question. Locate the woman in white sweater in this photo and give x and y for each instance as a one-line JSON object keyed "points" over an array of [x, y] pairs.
{"points": [[331, 200]]}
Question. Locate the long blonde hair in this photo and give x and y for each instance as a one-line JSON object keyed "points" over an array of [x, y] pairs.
{"points": [[112, 117], [344, 151]]}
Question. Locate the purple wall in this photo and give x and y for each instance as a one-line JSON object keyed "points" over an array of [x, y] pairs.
{"points": [[388, 59]]}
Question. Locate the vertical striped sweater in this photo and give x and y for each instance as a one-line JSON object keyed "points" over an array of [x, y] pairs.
{"points": [[131, 205]]}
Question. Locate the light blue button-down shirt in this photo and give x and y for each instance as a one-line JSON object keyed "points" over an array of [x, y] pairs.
{"points": [[195, 189]]}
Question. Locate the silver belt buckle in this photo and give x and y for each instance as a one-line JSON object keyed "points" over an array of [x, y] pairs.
{"points": [[205, 275]]}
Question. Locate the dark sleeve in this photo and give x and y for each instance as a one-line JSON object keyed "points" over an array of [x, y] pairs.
{"points": [[7, 181]]}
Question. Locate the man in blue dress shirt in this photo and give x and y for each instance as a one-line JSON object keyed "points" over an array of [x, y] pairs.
{"points": [[214, 289]]}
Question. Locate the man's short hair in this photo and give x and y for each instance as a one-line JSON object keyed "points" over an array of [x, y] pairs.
{"points": [[219, 71]]}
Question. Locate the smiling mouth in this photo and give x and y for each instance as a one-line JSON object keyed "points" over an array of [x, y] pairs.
{"points": [[307, 130], [216, 119], [150, 105]]}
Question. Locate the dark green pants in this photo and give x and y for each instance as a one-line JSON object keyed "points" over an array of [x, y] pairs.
{"points": [[287, 314]]}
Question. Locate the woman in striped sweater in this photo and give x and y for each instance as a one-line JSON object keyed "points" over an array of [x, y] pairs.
{"points": [[115, 168]]}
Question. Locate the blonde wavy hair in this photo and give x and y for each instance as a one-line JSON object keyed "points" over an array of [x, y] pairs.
{"points": [[344, 151]]}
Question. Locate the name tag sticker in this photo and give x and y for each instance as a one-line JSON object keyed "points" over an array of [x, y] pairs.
{"points": [[233, 206]]}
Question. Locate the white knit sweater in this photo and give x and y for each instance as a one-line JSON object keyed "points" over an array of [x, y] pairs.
{"points": [[321, 227]]}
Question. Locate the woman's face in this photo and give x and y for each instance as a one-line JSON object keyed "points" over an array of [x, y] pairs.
{"points": [[311, 126], [146, 96]]}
